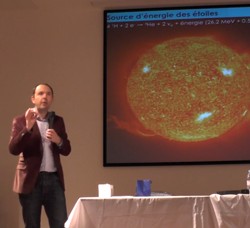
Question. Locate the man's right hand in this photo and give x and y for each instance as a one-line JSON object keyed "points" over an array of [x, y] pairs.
{"points": [[30, 116]]}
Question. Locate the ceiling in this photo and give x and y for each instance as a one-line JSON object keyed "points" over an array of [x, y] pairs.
{"points": [[105, 4], [158, 3], [42, 4]]}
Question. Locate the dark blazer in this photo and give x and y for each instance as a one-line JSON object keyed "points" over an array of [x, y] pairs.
{"points": [[28, 145]]}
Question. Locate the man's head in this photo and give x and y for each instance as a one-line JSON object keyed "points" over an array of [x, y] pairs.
{"points": [[46, 84], [42, 97]]}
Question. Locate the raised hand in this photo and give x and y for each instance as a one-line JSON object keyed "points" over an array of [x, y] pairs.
{"points": [[30, 116]]}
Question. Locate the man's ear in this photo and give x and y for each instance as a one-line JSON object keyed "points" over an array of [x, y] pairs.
{"points": [[32, 99]]}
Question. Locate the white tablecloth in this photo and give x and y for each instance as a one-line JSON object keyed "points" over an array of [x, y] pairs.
{"points": [[214, 211]]}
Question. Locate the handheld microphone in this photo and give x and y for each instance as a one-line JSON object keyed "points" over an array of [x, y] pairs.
{"points": [[51, 119]]}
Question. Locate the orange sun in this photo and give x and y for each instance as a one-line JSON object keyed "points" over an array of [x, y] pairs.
{"points": [[190, 89]]}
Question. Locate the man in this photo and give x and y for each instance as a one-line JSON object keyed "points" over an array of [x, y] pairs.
{"points": [[39, 138]]}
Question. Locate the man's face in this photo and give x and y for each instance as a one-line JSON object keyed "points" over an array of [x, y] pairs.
{"points": [[43, 97]]}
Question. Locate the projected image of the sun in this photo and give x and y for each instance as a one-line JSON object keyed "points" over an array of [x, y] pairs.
{"points": [[190, 89]]}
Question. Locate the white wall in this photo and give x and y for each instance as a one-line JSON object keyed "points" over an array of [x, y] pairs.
{"points": [[62, 45]]}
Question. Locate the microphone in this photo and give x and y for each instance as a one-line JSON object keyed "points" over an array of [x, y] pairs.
{"points": [[51, 119]]}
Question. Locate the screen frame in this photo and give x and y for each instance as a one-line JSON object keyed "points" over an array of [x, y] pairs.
{"points": [[106, 152]]}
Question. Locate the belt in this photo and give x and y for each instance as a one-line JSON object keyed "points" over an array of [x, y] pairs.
{"points": [[47, 173]]}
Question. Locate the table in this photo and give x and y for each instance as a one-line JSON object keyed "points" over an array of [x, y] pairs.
{"points": [[213, 211]]}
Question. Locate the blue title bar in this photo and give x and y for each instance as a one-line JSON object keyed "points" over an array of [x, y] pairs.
{"points": [[159, 15]]}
